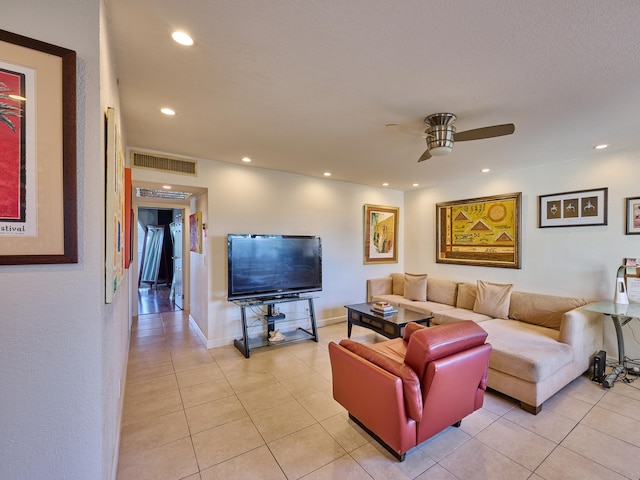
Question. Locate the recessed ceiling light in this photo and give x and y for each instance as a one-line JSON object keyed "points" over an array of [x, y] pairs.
{"points": [[167, 187], [327, 174], [246, 160], [602, 146], [415, 184], [385, 184], [167, 111], [485, 170], [182, 38]]}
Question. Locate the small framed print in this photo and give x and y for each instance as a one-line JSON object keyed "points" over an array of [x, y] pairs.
{"points": [[573, 209], [380, 234], [633, 216]]}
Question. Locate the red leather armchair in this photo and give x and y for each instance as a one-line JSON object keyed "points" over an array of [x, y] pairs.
{"points": [[404, 391]]}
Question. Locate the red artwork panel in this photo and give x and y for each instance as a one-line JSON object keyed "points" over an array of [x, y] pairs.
{"points": [[12, 147]]}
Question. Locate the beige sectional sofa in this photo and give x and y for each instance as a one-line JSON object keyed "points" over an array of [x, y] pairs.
{"points": [[540, 342]]}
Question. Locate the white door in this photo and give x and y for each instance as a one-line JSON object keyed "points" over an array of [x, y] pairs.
{"points": [[176, 284]]}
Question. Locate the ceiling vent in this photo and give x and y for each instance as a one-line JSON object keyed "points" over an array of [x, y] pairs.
{"points": [[166, 194], [164, 164]]}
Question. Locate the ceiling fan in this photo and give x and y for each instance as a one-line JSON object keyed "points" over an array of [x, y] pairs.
{"points": [[440, 133]]}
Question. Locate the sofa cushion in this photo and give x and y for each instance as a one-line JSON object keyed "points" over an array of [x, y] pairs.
{"points": [[442, 291], [410, 381], [526, 351], [493, 299], [415, 287], [543, 310], [443, 317], [466, 295], [428, 308], [394, 300], [397, 286]]}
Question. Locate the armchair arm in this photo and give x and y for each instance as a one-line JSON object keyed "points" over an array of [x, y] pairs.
{"points": [[379, 286], [373, 396]]}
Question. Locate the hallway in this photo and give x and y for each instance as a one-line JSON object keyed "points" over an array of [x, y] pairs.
{"points": [[155, 300]]}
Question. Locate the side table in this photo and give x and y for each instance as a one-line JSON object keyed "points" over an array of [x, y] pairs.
{"points": [[621, 314]]}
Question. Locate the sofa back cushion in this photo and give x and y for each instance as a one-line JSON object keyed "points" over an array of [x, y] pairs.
{"points": [[493, 299], [442, 291], [398, 283], [466, 295], [410, 380], [544, 310], [439, 341], [415, 287]]}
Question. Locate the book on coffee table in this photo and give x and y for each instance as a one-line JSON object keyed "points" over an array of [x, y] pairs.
{"points": [[384, 311]]}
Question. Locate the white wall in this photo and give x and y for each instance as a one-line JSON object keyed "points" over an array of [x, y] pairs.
{"points": [[245, 199], [571, 261], [199, 269], [61, 348]]}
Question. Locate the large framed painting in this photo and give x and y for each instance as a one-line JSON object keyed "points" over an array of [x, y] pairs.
{"points": [[38, 212], [380, 234], [633, 216], [480, 231], [114, 209], [573, 209]]}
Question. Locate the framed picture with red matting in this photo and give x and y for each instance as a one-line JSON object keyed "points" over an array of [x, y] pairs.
{"points": [[38, 211]]}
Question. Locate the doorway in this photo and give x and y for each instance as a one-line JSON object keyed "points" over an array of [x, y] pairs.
{"points": [[160, 260]]}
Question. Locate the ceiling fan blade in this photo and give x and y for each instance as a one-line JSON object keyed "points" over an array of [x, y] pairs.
{"points": [[408, 130], [485, 132], [425, 156]]}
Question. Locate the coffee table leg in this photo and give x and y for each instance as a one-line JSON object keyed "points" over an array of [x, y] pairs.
{"points": [[349, 326]]}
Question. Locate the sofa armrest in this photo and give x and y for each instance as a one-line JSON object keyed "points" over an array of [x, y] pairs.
{"points": [[379, 286], [584, 331]]}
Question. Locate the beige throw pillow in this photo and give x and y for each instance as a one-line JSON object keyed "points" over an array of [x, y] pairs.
{"points": [[415, 287], [493, 299], [466, 296]]}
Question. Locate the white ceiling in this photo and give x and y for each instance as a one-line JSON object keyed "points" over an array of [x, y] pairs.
{"points": [[308, 86]]}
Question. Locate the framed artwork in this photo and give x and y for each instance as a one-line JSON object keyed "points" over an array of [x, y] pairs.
{"points": [[38, 212], [479, 231], [573, 209], [633, 216], [380, 234], [195, 232], [114, 209]]}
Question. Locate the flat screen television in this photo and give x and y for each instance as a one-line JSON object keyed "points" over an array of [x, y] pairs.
{"points": [[273, 265]]}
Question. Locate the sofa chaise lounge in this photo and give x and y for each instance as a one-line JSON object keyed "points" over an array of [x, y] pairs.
{"points": [[540, 342]]}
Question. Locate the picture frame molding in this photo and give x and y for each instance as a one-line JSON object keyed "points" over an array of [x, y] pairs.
{"points": [[632, 227], [483, 255], [38, 249], [371, 257], [547, 219]]}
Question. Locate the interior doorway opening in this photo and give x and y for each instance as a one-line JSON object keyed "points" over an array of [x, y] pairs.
{"points": [[160, 244]]}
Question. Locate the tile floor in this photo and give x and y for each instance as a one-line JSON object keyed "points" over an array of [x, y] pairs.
{"points": [[198, 414]]}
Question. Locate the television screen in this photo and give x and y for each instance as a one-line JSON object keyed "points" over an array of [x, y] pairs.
{"points": [[273, 265]]}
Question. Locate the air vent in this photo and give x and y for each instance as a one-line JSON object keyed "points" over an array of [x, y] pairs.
{"points": [[164, 164], [153, 193]]}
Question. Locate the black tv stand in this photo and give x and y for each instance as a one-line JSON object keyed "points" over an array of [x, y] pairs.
{"points": [[254, 333]]}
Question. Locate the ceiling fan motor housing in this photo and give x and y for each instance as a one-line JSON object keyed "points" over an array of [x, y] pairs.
{"points": [[440, 133]]}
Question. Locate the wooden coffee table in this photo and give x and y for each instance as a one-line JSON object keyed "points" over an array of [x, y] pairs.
{"points": [[391, 326]]}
